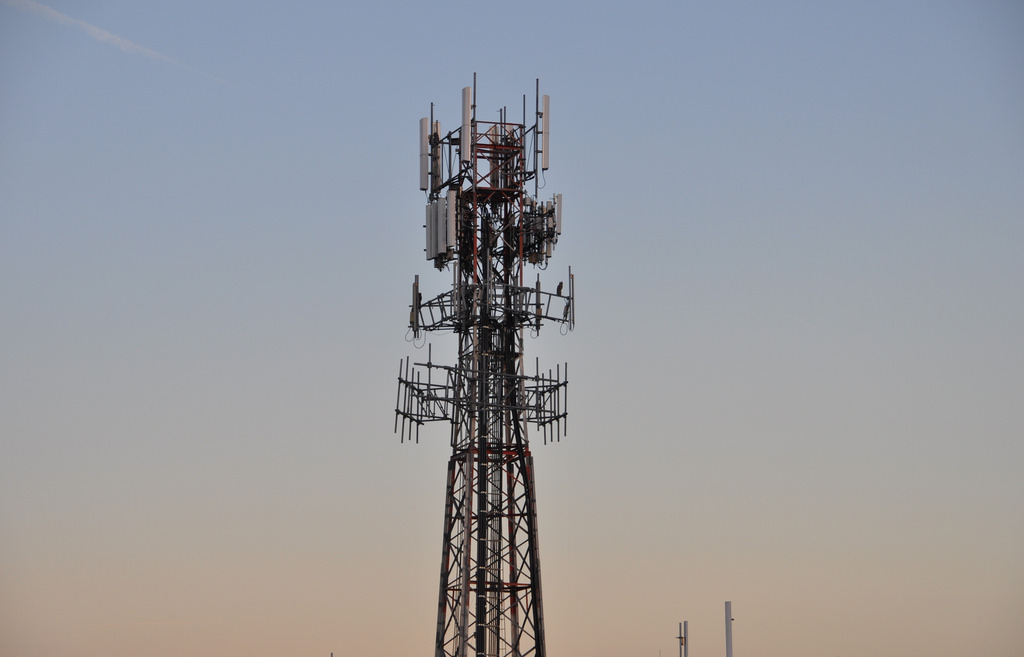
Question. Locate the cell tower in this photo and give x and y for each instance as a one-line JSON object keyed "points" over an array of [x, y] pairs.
{"points": [[483, 223]]}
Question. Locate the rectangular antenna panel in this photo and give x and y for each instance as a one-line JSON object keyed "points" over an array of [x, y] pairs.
{"points": [[450, 214], [429, 225], [424, 153], [558, 214], [466, 138], [439, 230]]}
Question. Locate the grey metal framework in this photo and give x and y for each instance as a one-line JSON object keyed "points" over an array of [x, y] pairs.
{"points": [[483, 224]]}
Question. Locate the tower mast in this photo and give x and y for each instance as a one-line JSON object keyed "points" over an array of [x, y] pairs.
{"points": [[484, 224]]}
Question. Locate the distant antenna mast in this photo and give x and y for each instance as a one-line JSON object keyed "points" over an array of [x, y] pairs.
{"points": [[728, 629], [483, 224], [684, 648]]}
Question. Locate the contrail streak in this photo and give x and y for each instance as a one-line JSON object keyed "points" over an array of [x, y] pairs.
{"points": [[102, 35]]}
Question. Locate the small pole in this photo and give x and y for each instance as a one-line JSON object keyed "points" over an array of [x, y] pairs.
{"points": [[684, 648], [728, 629]]}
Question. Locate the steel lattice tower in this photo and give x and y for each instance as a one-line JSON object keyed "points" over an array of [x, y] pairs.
{"points": [[483, 224]]}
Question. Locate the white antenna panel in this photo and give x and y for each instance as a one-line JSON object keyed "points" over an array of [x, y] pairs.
{"points": [[431, 251], [451, 207], [439, 231], [424, 153], [558, 214], [545, 122], [466, 138]]}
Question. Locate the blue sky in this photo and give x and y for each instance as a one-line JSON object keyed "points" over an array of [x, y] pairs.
{"points": [[795, 380]]}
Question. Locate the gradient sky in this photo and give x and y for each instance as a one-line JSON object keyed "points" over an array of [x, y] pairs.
{"points": [[797, 378]]}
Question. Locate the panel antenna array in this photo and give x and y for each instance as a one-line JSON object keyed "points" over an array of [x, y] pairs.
{"points": [[483, 223]]}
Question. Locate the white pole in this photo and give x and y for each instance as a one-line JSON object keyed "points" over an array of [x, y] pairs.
{"points": [[728, 629]]}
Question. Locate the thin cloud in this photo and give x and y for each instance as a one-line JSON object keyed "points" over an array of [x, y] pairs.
{"points": [[102, 35]]}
